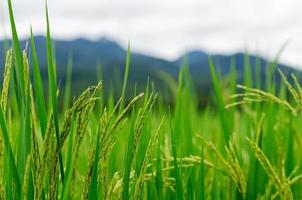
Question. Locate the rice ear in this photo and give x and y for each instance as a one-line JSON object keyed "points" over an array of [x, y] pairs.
{"points": [[140, 179], [261, 96], [282, 187], [4, 100]]}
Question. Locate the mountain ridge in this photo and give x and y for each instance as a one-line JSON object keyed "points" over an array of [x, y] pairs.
{"points": [[88, 54]]}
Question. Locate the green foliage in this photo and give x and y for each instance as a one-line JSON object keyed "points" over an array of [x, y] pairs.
{"points": [[245, 147]]}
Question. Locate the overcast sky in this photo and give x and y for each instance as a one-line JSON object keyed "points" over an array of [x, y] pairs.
{"points": [[167, 28]]}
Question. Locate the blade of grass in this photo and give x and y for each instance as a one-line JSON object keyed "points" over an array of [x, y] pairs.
{"points": [[159, 175], [273, 66], [22, 98], [247, 70], [53, 92], [69, 164], [220, 104], [179, 192], [202, 176], [126, 179], [38, 87], [17, 51], [126, 73], [93, 190], [67, 90]]}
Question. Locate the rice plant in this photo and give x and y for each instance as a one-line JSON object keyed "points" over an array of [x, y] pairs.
{"points": [[247, 146]]}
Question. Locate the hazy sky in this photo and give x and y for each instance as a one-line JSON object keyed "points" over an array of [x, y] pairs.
{"points": [[167, 28]]}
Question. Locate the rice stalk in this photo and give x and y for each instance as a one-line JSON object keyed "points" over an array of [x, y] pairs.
{"points": [[88, 177], [140, 179], [298, 86], [108, 131], [4, 99], [36, 160], [231, 167], [81, 103], [6, 79], [53, 167], [139, 123], [262, 97], [26, 73], [133, 141], [233, 160], [185, 162], [80, 111], [290, 88], [45, 159], [282, 187]]}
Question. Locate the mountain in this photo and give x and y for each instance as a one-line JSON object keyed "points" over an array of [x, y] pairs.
{"points": [[110, 57]]}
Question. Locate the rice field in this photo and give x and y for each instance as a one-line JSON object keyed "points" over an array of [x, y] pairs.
{"points": [[246, 146]]}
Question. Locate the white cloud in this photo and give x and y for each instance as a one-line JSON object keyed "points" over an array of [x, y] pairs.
{"points": [[168, 28]]}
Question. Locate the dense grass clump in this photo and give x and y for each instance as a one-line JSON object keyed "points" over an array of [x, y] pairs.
{"points": [[246, 147]]}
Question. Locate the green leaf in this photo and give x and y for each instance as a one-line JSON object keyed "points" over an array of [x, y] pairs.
{"points": [[220, 104], [53, 92], [125, 76], [159, 175], [128, 161], [69, 164], [202, 176], [67, 90], [179, 192], [38, 87], [17, 51]]}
